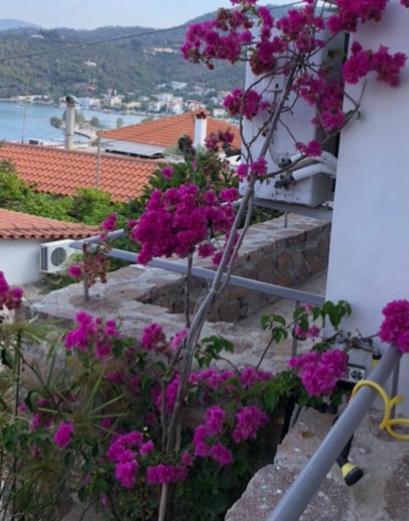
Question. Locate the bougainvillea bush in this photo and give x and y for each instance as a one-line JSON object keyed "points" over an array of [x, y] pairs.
{"points": [[89, 419]]}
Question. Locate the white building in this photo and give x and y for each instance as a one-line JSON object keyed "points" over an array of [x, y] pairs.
{"points": [[20, 238]]}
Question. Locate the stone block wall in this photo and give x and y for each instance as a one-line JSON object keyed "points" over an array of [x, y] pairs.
{"points": [[270, 253], [139, 296]]}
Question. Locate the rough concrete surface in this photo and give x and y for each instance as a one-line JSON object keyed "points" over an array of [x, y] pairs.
{"points": [[81, 513], [381, 495]]}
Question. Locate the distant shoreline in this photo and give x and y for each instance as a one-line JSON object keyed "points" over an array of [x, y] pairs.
{"points": [[52, 104]]}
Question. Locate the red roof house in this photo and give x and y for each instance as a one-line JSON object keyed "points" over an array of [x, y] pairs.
{"points": [[21, 236], [62, 172], [152, 138]]}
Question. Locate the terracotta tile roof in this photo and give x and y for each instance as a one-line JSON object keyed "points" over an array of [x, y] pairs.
{"points": [[16, 225], [165, 132], [61, 172]]}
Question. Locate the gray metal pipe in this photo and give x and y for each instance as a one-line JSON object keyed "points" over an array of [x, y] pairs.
{"points": [[69, 122], [203, 273], [308, 482]]}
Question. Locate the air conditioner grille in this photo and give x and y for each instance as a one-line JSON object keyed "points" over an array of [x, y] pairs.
{"points": [[58, 256], [43, 258]]}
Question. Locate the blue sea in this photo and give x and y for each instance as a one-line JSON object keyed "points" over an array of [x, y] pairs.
{"points": [[20, 122]]}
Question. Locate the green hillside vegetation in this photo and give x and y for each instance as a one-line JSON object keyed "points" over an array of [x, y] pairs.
{"points": [[134, 65]]}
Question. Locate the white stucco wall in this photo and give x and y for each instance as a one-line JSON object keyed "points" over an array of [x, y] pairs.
{"points": [[369, 253], [20, 260]]}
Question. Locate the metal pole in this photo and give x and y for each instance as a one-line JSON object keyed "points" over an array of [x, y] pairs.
{"points": [[86, 288], [69, 122], [85, 282], [294, 346], [308, 482], [98, 165], [203, 273], [395, 384]]}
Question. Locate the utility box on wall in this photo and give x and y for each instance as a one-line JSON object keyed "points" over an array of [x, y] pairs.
{"points": [[311, 191], [311, 182]]}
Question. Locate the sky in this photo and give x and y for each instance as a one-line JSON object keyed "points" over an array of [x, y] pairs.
{"points": [[88, 14]]}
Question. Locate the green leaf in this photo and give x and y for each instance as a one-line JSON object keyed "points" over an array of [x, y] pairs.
{"points": [[68, 460], [271, 398], [83, 494], [109, 402], [93, 393], [270, 321], [6, 358], [100, 485]]}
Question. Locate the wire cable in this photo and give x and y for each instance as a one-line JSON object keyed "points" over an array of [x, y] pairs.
{"points": [[76, 44]]}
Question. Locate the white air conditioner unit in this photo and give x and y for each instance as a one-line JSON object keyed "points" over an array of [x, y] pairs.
{"points": [[54, 256], [312, 182]]}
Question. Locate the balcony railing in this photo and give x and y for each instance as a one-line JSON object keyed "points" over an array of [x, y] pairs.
{"points": [[308, 482]]}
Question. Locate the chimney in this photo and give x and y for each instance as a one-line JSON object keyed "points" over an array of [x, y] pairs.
{"points": [[69, 122], [200, 129]]}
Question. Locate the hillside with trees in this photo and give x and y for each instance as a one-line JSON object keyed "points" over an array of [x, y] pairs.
{"points": [[135, 65], [130, 65]]}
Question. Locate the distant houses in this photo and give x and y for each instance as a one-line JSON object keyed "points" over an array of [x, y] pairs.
{"points": [[153, 139], [122, 168], [127, 161]]}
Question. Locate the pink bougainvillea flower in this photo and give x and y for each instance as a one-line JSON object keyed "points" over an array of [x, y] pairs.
{"points": [[215, 418], [64, 434], [313, 148], [302, 334], [395, 326], [178, 220], [167, 172], [178, 339], [259, 167], [75, 271], [320, 372], [242, 171], [109, 223], [10, 298], [153, 337], [93, 333], [125, 473], [146, 448], [221, 454], [161, 474], [249, 420]]}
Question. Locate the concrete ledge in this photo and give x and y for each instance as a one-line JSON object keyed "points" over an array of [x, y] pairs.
{"points": [[381, 495]]}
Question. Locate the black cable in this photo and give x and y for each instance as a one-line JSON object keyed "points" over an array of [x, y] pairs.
{"points": [[113, 38], [68, 45]]}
